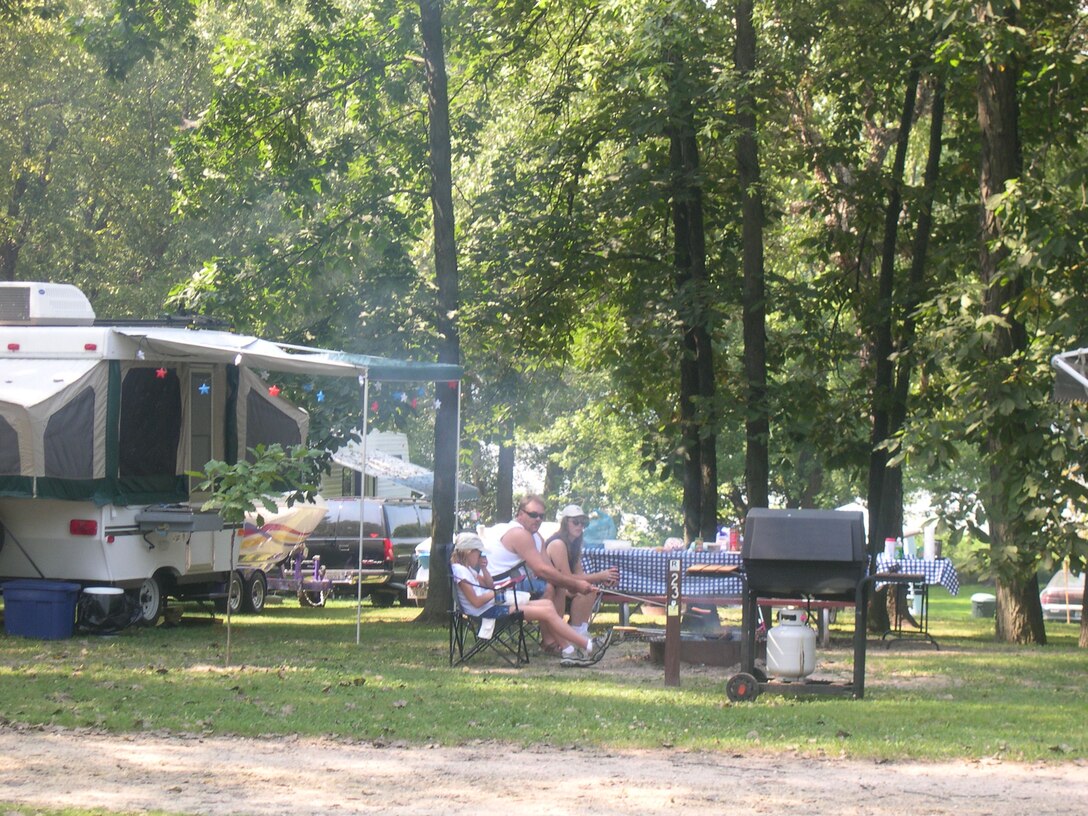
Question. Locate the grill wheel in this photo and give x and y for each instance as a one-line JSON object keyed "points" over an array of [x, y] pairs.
{"points": [[742, 686]]}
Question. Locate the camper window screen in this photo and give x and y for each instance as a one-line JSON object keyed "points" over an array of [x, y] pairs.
{"points": [[150, 423], [69, 439], [266, 425]]}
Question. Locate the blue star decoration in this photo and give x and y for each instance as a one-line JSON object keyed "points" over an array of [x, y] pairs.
{"points": [[320, 396], [205, 389]]}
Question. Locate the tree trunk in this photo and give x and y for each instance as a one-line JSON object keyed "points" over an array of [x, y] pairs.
{"points": [[885, 518], [1019, 611], [757, 425], [504, 485], [1019, 615], [17, 229], [885, 496], [698, 430], [449, 344]]}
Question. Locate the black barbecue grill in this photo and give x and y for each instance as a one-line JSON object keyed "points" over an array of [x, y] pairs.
{"points": [[802, 554], [818, 554]]}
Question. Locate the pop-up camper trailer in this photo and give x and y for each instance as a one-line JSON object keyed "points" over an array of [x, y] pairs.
{"points": [[99, 425]]}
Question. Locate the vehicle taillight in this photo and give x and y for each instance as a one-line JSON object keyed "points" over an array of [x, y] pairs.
{"points": [[388, 549], [83, 527]]}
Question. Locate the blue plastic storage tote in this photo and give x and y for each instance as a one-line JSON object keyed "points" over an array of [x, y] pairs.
{"points": [[40, 609]]}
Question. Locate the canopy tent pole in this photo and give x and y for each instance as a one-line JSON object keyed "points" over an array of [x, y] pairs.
{"points": [[364, 381], [457, 465]]}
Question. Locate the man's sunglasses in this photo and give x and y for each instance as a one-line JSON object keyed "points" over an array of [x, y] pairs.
{"points": [[532, 515]]}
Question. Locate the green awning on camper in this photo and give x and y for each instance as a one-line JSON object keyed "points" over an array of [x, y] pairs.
{"points": [[224, 347], [1071, 380]]}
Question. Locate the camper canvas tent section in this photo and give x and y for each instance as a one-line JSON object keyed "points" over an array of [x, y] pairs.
{"points": [[100, 424]]}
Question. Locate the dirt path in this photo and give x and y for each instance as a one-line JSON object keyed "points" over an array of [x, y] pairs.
{"points": [[219, 776]]}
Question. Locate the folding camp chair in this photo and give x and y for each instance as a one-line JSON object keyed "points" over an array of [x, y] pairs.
{"points": [[509, 579], [470, 634]]}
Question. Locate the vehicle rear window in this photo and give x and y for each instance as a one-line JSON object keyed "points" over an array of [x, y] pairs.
{"points": [[342, 520], [404, 522]]}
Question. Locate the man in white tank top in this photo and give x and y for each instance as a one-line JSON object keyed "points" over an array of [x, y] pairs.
{"points": [[522, 544]]}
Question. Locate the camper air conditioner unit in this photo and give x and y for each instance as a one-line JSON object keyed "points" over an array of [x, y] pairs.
{"points": [[44, 304]]}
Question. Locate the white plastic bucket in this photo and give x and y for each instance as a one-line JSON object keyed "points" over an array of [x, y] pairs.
{"points": [[104, 600]]}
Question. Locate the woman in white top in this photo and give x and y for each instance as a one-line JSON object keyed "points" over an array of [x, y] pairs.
{"points": [[564, 550], [476, 594]]}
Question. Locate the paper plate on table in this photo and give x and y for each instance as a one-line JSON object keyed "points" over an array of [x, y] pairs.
{"points": [[616, 544]]}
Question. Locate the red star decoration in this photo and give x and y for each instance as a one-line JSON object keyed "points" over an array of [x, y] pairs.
{"points": [[274, 390], [374, 407], [160, 373]]}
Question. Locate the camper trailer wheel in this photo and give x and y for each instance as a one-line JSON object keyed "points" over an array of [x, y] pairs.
{"points": [[151, 601], [235, 595], [256, 589]]}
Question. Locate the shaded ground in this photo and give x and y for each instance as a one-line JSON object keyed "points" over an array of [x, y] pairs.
{"points": [[220, 776]]}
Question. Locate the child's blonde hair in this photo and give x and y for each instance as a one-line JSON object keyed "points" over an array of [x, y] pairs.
{"points": [[461, 556]]}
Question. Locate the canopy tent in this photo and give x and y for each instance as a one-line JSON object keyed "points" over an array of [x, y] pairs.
{"points": [[384, 465], [1071, 382]]}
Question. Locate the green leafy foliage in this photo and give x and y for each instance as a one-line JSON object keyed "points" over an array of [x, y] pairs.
{"points": [[265, 162], [248, 485]]}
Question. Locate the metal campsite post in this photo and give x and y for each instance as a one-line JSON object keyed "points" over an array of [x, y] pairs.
{"points": [[364, 381]]}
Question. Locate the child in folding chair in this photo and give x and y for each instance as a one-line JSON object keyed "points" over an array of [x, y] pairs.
{"points": [[476, 592]]}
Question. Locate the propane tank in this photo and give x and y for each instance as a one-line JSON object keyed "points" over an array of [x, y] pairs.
{"points": [[791, 647]]}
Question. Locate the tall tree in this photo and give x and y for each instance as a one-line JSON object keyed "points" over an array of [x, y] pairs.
{"points": [[1018, 613], [446, 426], [886, 502], [700, 468], [757, 422]]}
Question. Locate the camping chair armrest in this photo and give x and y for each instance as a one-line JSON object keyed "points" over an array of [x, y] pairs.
{"points": [[513, 575]]}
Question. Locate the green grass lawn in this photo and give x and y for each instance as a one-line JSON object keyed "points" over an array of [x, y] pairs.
{"points": [[299, 671]]}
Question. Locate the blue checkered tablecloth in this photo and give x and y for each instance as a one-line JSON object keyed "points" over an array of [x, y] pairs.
{"points": [[643, 571], [938, 571]]}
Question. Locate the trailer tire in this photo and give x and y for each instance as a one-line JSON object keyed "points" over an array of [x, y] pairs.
{"points": [[235, 594], [151, 600], [256, 587], [383, 599]]}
